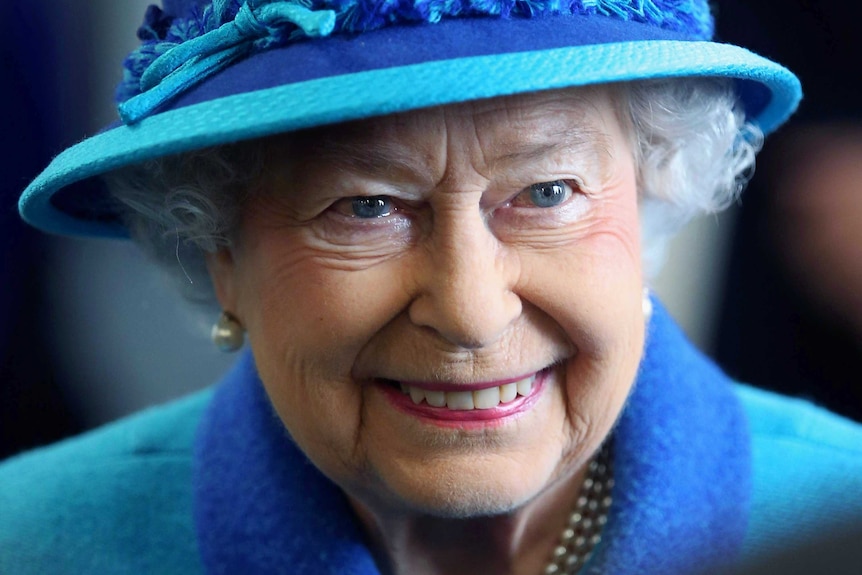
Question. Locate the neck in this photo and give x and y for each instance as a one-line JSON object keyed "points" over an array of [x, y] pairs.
{"points": [[519, 542]]}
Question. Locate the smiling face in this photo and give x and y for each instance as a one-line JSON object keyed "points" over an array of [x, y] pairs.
{"points": [[445, 305]]}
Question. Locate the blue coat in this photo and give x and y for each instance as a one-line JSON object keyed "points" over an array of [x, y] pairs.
{"points": [[706, 470]]}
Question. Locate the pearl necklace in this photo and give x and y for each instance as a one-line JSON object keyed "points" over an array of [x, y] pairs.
{"points": [[583, 530]]}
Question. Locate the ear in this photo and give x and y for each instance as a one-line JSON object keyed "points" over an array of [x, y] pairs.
{"points": [[223, 274]]}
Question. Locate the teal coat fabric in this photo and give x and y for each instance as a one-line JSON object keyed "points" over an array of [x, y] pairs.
{"points": [[119, 499]]}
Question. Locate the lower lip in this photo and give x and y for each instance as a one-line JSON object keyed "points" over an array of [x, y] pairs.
{"points": [[470, 417]]}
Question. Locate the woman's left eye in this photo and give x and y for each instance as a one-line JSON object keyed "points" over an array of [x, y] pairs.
{"points": [[365, 207], [544, 195]]}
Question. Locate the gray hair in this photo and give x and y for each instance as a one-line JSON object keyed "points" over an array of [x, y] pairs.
{"points": [[694, 152]]}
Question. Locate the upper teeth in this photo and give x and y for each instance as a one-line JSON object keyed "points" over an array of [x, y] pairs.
{"points": [[487, 398]]}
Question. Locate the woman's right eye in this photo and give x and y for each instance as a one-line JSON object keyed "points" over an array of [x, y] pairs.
{"points": [[365, 207]]}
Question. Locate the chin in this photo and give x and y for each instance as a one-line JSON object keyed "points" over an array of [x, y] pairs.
{"points": [[465, 493], [467, 502]]}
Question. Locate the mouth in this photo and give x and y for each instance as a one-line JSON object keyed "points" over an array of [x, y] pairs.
{"points": [[462, 403]]}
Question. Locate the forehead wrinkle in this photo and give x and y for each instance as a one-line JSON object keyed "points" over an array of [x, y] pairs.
{"points": [[541, 126], [577, 140], [379, 147], [587, 147], [375, 158]]}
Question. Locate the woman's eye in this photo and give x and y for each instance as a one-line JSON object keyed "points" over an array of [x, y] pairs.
{"points": [[365, 207], [544, 194]]}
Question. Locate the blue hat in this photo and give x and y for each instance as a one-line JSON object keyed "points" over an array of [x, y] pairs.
{"points": [[211, 72]]}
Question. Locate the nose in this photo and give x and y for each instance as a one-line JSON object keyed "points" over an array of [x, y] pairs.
{"points": [[466, 282]]}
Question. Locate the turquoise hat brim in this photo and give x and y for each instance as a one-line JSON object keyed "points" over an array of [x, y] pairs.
{"points": [[56, 202]]}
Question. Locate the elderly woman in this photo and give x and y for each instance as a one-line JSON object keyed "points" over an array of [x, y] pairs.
{"points": [[433, 221]]}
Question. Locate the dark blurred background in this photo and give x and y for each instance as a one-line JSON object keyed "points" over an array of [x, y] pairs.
{"points": [[89, 332], [791, 317], [33, 408]]}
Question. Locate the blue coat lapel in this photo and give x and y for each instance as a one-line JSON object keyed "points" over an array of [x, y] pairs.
{"points": [[682, 465]]}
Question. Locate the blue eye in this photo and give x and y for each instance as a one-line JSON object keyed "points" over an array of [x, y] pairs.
{"points": [[549, 194], [370, 207]]}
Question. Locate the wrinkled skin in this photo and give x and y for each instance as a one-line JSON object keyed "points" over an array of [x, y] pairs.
{"points": [[453, 274]]}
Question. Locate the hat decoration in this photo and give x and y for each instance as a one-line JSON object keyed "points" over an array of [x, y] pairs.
{"points": [[177, 56], [179, 52]]}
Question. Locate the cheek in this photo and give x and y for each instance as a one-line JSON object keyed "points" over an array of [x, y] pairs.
{"points": [[592, 284], [307, 323], [592, 288]]}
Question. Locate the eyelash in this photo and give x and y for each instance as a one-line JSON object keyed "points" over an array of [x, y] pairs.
{"points": [[567, 188], [342, 226], [398, 222], [351, 207]]}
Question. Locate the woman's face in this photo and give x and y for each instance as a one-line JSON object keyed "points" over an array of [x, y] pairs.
{"points": [[445, 305]]}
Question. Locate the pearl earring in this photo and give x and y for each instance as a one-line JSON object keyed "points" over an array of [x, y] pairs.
{"points": [[647, 305], [227, 333]]}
